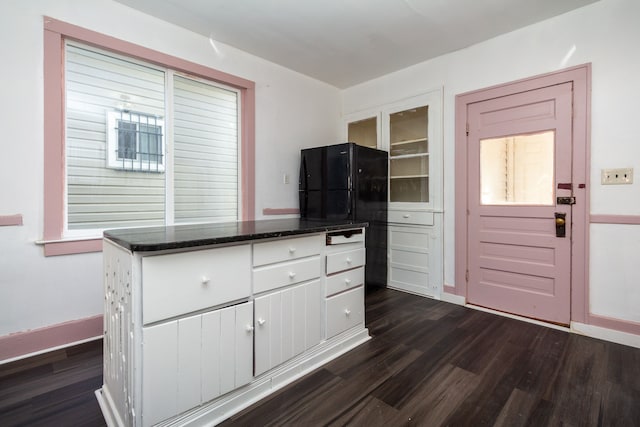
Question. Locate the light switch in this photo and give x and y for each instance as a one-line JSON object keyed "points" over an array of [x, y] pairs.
{"points": [[617, 176]]}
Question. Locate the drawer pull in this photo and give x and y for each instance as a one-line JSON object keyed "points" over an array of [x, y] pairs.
{"points": [[347, 312], [347, 281], [250, 328], [292, 250], [349, 261], [406, 216], [292, 275], [261, 321], [205, 280]]}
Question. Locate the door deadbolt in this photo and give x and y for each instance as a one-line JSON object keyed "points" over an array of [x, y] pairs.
{"points": [[561, 224]]}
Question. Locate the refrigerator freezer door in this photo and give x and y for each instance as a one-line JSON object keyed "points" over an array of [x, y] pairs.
{"points": [[338, 166], [312, 165]]}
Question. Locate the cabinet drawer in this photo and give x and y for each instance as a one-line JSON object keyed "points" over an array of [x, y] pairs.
{"points": [[410, 217], [175, 284], [345, 311], [287, 249], [340, 261], [287, 273], [409, 258], [346, 280]]}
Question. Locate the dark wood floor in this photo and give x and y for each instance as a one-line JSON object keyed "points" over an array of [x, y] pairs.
{"points": [[429, 363], [53, 389]]}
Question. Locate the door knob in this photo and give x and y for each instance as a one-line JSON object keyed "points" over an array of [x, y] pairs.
{"points": [[561, 224]]}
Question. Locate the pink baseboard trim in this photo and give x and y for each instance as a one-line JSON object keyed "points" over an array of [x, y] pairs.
{"points": [[280, 211], [614, 219], [6, 220], [22, 344], [615, 324], [72, 247]]}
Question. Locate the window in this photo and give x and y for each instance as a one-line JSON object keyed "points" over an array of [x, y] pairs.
{"points": [[115, 110], [143, 139], [135, 141]]}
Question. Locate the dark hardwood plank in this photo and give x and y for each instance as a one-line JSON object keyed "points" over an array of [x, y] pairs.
{"points": [[468, 368], [428, 363], [53, 389]]}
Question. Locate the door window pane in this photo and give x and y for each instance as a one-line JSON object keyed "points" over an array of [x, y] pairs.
{"points": [[518, 169], [364, 132]]}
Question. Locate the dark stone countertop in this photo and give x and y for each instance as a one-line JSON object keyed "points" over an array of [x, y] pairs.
{"points": [[148, 239]]}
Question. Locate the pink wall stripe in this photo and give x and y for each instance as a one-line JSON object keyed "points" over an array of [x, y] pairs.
{"points": [[25, 343], [6, 220], [280, 211], [72, 247], [615, 324], [615, 219]]}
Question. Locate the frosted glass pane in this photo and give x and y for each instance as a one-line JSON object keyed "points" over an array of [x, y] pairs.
{"points": [[518, 169], [408, 131], [364, 132]]}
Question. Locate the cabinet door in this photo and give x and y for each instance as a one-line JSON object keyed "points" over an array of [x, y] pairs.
{"points": [[287, 323], [235, 355], [193, 360], [412, 135], [160, 372], [189, 362], [363, 128]]}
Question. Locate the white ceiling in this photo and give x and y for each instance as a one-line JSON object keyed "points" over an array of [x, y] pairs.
{"points": [[346, 42]]}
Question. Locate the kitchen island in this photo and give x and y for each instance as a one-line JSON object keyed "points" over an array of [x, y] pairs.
{"points": [[203, 320]]}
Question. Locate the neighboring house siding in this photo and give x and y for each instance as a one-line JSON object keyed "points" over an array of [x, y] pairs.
{"points": [[206, 153], [99, 197]]}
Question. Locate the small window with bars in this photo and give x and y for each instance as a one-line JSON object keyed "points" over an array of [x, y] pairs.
{"points": [[135, 142]]}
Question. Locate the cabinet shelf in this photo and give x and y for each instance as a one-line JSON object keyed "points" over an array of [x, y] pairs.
{"points": [[408, 156], [409, 141], [408, 176]]}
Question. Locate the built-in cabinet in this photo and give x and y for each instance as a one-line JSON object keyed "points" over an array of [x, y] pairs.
{"points": [[192, 335], [411, 131]]}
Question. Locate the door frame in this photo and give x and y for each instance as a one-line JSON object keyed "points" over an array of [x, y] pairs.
{"points": [[580, 76]]}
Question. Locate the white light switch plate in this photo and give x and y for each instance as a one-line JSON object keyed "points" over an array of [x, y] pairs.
{"points": [[617, 176]]}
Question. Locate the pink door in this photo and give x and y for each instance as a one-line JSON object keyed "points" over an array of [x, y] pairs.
{"points": [[519, 203]]}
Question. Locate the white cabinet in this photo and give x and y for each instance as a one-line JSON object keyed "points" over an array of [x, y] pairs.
{"points": [[415, 257], [344, 311], [178, 283], [192, 360], [411, 131], [344, 304], [287, 317], [193, 335], [287, 322]]}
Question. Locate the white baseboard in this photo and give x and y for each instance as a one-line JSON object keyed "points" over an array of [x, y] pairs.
{"points": [[453, 299], [606, 334]]}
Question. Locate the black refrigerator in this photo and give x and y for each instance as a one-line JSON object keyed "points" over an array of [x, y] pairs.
{"points": [[349, 181]]}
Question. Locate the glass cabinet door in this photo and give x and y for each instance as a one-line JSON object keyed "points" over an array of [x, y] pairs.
{"points": [[409, 155], [364, 132]]}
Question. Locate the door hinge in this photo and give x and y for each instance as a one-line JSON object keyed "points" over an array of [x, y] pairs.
{"points": [[466, 276], [467, 129]]}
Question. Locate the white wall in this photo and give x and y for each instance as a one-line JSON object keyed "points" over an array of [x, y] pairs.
{"points": [[606, 34], [292, 111]]}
